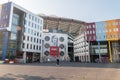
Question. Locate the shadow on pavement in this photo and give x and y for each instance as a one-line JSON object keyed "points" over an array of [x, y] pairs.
{"points": [[10, 76]]}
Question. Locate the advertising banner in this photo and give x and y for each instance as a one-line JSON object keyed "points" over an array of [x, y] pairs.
{"points": [[54, 51]]}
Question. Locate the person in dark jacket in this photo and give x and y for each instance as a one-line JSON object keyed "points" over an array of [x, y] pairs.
{"points": [[57, 62]]}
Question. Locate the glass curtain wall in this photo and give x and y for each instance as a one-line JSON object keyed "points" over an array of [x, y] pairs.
{"points": [[103, 48], [12, 42], [116, 51], [94, 51]]}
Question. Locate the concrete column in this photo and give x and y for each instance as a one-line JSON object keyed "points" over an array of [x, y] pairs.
{"points": [[99, 51], [24, 57], [42, 52], [41, 57], [33, 57], [110, 53]]}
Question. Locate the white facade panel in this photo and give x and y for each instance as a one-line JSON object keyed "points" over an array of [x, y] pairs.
{"points": [[81, 48], [55, 40]]}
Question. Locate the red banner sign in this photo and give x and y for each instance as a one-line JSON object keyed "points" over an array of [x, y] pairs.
{"points": [[54, 51]]}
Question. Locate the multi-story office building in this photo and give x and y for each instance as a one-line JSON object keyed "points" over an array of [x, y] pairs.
{"points": [[20, 34], [81, 48], [104, 39], [55, 45]]}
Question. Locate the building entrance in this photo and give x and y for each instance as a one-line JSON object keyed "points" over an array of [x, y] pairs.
{"points": [[36, 57], [29, 57], [115, 51]]}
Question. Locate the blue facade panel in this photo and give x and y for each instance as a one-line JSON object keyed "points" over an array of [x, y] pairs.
{"points": [[100, 31], [5, 45]]}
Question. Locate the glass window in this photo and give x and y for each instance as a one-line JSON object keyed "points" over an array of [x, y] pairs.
{"points": [[40, 41], [34, 47], [110, 36], [35, 26], [87, 32], [116, 23], [27, 46], [32, 25], [28, 38], [39, 47], [90, 32], [37, 40], [41, 28], [24, 29], [35, 33], [15, 19], [38, 26], [31, 39], [14, 28], [109, 30], [25, 22], [89, 37], [30, 46], [93, 31], [23, 37], [89, 26], [29, 23], [119, 23], [94, 37], [109, 24], [106, 30], [34, 39], [104, 37], [119, 35], [40, 34], [13, 36], [32, 32], [29, 16], [33, 18], [23, 45], [28, 30], [116, 29], [38, 20]]}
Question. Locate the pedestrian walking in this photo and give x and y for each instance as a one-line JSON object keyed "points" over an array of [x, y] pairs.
{"points": [[57, 62]]}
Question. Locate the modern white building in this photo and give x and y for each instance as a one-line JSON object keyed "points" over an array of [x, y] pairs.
{"points": [[21, 32], [81, 49], [55, 45]]}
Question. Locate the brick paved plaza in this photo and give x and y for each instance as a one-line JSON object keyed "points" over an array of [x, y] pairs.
{"points": [[67, 71]]}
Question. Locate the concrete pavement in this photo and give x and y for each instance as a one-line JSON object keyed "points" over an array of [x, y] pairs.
{"points": [[67, 71]]}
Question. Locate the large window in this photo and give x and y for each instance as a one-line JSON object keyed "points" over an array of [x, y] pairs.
{"points": [[15, 22], [13, 36], [103, 48], [15, 19]]}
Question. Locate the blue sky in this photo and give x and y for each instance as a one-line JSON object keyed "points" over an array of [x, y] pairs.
{"points": [[85, 10]]}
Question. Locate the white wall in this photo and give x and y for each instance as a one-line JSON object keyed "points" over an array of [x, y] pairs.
{"points": [[65, 43], [81, 48]]}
